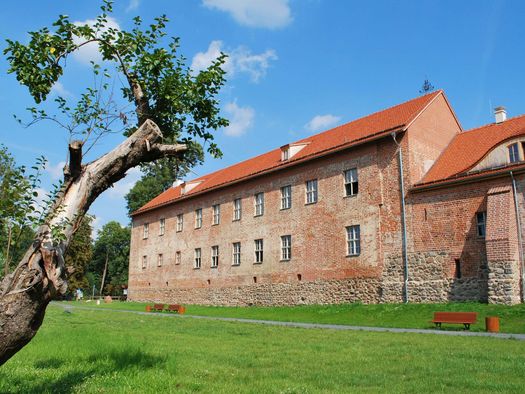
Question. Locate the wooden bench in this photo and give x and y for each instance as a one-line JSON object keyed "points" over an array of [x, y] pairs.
{"points": [[465, 318], [176, 308], [158, 307]]}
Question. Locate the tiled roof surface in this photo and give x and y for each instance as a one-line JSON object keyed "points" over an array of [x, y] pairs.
{"points": [[368, 127], [469, 147]]}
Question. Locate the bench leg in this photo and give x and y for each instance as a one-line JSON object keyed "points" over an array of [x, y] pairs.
{"points": [[467, 326], [438, 326]]}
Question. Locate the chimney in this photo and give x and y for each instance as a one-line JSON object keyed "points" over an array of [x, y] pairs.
{"points": [[501, 114]]}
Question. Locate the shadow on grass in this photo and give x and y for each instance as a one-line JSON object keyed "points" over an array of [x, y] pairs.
{"points": [[95, 365]]}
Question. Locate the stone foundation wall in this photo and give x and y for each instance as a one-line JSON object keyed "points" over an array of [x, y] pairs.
{"points": [[365, 290], [504, 282], [429, 280], [428, 283]]}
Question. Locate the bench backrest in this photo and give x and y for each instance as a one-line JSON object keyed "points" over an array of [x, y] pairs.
{"points": [[158, 306], [460, 317]]}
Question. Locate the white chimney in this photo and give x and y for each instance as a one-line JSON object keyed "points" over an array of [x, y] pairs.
{"points": [[501, 114], [177, 182]]}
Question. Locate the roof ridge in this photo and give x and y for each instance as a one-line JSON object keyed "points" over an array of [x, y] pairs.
{"points": [[492, 124]]}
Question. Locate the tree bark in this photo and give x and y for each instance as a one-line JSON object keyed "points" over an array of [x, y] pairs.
{"points": [[41, 275]]}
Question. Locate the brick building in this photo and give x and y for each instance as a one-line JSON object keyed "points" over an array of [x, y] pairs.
{"points": [[399, 205]]}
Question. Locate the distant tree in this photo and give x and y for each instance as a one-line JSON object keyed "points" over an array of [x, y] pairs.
{"points": [[110, 257], [79, 254], [18, 208], [427, 87]]}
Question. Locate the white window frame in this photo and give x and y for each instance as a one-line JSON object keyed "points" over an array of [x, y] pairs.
{"points": [[286, 197], [198, 218], [286, 247], [178, 257], [197, 258], [258, 200], [237, 209], [259, 250], [311, 190], [144, 262], [351, 182], [160, 260], [514, 153], [162, 226], [216, 214], [145, 233], [481, 224], [353, 240], [236, 253], [215, 256], [180, 222]]}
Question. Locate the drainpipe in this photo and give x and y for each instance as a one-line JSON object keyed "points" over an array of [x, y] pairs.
{"points": [[403, 214], [520, 239]]}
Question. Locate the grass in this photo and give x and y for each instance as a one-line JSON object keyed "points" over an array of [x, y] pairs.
{"points": [[86, 351], [512, 318]]}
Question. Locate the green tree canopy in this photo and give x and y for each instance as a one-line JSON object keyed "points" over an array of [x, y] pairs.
{"points": [[112, 244], [79, 254]]}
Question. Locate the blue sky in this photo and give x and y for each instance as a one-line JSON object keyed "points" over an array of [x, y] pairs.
{"points": [[296, 67]]}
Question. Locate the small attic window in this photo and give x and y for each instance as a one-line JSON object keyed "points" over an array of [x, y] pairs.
{"points": [[285, 153], [514, 153]]}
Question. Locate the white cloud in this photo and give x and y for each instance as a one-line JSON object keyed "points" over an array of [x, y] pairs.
{"points": [[240, 60], [122, 187], [241, 119], [56, 171], [320, 122], [89, 52], [96, 226], [271, 14], [132, 5], [60, 90]]}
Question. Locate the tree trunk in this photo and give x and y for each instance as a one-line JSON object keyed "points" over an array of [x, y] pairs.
{"points": [[104, 273], [41, 275]]}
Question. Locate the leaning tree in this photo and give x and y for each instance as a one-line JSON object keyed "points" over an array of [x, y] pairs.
{"points": [[171, 112]]}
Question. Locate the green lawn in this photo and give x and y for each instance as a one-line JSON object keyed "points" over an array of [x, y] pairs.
{"points": [[512, 318], [101, 352]]}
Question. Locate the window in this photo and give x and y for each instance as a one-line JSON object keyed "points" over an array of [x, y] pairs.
{"points": [[311, 191], [160, 259], [198, 218], [285, 154], [197, 263], [286, 247], [214, 256], [481, 221], [216, 214], [144, 262], [146, 230], [514, 153], [237, 208], [178, 257], [236, 253], [351, 183], [180, 222], [353, 237], [162, 226], [457, 273], [259, 251], [286, 197], [259, 204]]}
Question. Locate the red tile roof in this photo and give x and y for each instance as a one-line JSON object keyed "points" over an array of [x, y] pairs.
{"points": [[469, 147], [358, 131]]}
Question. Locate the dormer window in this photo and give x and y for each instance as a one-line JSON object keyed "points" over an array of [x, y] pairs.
{"points": [[285, 154], [514, 153]]}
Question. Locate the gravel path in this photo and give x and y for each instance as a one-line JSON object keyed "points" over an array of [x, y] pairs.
{"points": [[520, 337]]}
